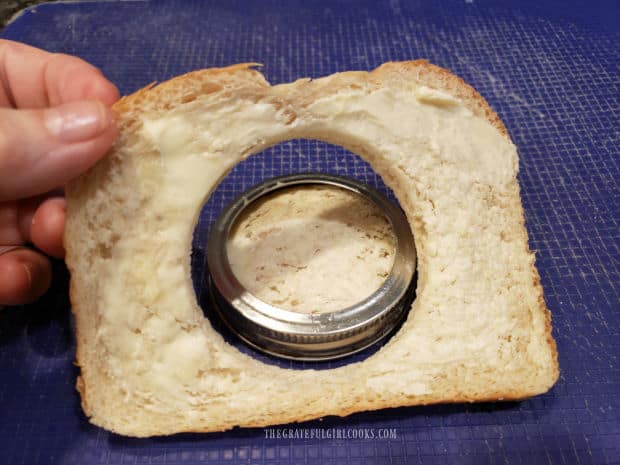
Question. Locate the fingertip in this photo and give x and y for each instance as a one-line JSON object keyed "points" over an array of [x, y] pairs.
{"points": [[83, 81], [26, 210], [104, 91], [43, 149], [47, 228], [95, 86], [25, 275]]}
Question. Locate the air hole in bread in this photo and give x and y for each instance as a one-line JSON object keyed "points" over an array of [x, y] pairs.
{"points": [[292, 156]]}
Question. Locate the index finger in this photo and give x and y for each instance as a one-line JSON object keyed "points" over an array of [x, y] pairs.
{"points": [[34, 78]]}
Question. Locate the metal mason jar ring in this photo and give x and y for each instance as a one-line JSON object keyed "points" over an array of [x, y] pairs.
{"points": [[322, 336]]}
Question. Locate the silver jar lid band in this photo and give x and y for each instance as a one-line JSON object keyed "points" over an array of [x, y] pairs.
{"points": [[320, 336]]}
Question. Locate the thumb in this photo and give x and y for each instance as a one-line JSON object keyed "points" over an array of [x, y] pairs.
{"points": [[43, 149]]}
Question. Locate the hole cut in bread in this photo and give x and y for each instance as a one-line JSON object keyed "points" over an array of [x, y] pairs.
{"points": [[151, 363]]}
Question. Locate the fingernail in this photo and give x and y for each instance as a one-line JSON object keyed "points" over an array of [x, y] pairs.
{"points": [[77, 121]]}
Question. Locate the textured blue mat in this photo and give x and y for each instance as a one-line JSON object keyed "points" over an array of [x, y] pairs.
{"points": [[552, 73]]}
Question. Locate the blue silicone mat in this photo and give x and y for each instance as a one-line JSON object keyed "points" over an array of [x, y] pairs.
{"points": [[552, 73]]}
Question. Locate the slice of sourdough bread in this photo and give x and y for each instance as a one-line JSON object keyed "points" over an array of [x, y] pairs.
{"points": [[151, 364]]}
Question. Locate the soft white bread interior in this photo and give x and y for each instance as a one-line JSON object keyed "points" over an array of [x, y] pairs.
{"points": [[152, 364]]}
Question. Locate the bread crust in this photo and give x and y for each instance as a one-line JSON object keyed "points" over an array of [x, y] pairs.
{"points": [[238, 78]]}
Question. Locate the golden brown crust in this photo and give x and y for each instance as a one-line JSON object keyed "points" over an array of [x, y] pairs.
{"points": [[548, 327], [194, 83], [439, 78], [496, 396], [419, 71]]}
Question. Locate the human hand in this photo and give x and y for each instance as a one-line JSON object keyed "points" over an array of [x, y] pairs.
{"points": [[55, 122]]}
